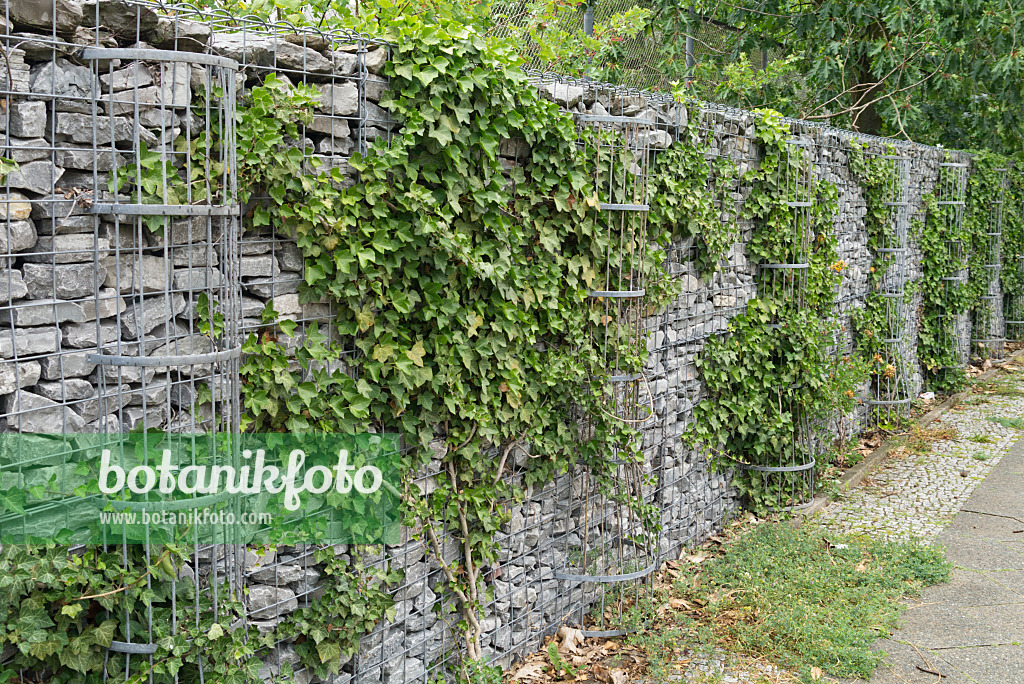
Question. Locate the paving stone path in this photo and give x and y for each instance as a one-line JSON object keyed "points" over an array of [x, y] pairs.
{"points": [[918, 495]]}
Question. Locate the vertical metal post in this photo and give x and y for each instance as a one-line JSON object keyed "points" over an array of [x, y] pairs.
{"points": [[588, 19]]}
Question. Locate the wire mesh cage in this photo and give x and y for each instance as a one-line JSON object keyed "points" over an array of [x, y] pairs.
{"points": [[892, 394], [613, 542], [988, 330], [950, 192]]}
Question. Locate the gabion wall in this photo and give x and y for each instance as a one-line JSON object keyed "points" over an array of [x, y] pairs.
{"points": [[86, 273]]}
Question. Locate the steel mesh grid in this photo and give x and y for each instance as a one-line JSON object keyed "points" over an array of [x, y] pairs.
{"points": [[988, 329]]}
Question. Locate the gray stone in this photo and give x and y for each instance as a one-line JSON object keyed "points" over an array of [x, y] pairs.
{"points": [[67, 249], [15, 375], [374, 88], [289, 257], [328, 125], [181, 34], [14, 205], [175, 89], [131, 273], [58, 206], [27, 119], [63, 281], [125, 102], [70, 83], [196, 255], [123, 20], [339, 99], [62, 16], [37, 176], [374, 60], [150, 393], [655, 139], [43, 312], [72, 389], [344, 62], [78, 128], [83, 158], [270, 602], [197, 278], [380, 117], [563, 94], [284, 285], [86, 335], [11, 285], [286, 305], [24, 150], [65, 365], [264, 265], [135, 75], [300, 58], [336, 146], [244, 48], [19, 77], [277, 574], [16, 236], [137, 418], [371, 133], [28, 341], [30, 412], [140, 318]]}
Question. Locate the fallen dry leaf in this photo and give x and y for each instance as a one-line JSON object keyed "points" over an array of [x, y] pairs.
{"points": [[816, 673], [696, 559], [570, 639], [862, 566], [609, 676], [530, 671]]}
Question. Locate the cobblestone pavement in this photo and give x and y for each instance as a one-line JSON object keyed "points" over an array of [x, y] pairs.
{"points": [[918, 495]]}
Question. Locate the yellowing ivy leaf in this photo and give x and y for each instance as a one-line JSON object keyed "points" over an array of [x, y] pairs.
{"points": [[417, 353], [474, 325], [383, 352], [216, 631]]}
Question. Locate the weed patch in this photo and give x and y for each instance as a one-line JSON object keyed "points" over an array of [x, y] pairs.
{"points": [[795, 598], [1012, 423]]}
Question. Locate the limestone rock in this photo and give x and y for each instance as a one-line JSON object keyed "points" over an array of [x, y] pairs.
{"points": [[70, 83], [328, 125], [12, 286], [131, 273], [375, 59], [300, 58], [65, 365], [181, 34], [268, 602], [29, 341], [123, 20], [14, 205], [17, 374], [16, 236], [67, 249], [563, 94], [34, 413], [73, 389], [63, 281], [140, 318], [339, 99], [64, 16], [38, 176], [42, 312]]}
